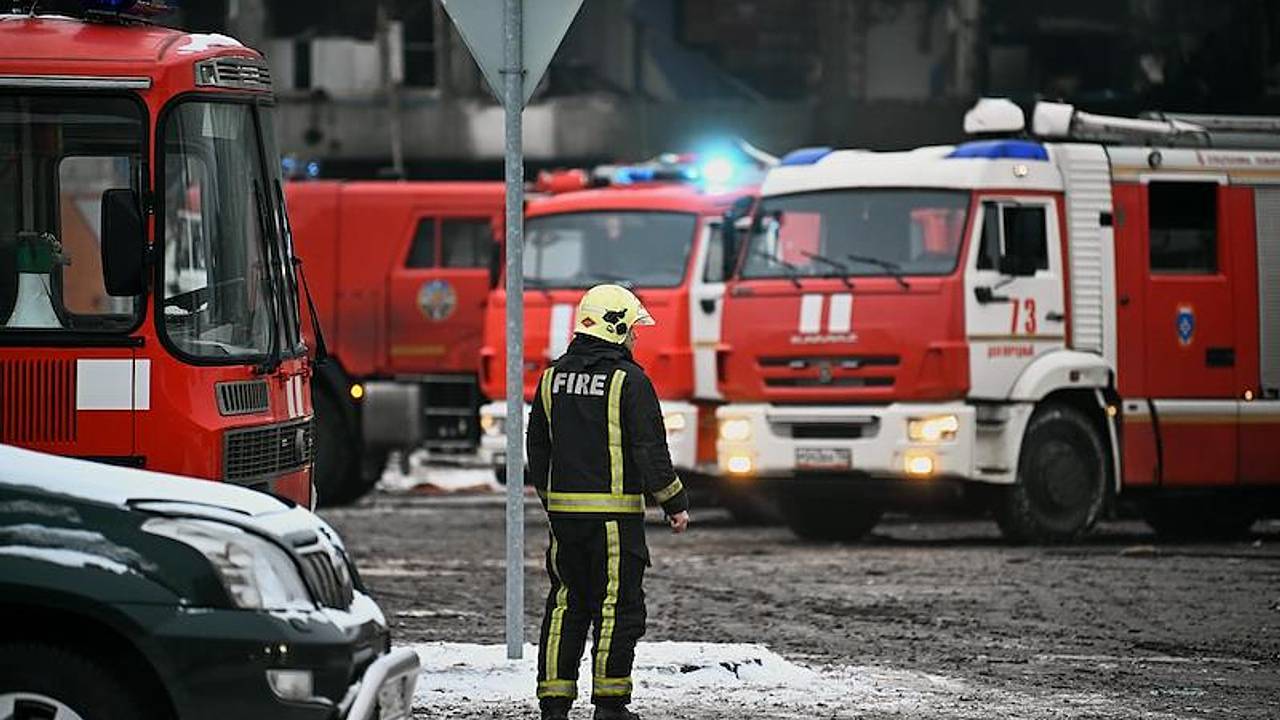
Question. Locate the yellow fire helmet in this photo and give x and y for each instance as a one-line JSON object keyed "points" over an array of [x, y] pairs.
{"points": [[609, 312]]}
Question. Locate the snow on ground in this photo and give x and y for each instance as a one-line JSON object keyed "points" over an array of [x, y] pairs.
{"points": [[436, 478], [707, 680]]}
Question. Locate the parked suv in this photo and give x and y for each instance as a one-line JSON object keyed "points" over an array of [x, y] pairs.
{"points": [[129, 594]]}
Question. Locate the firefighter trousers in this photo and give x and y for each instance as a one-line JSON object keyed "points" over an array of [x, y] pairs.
{"points": [[597, 576]]}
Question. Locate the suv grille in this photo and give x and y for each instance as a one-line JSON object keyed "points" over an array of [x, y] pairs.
{"points": [[243, 397], [325, 571], [252, 454], [234, 73]]}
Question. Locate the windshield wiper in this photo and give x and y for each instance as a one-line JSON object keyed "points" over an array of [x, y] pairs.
{"points": [[276, 355], [625, 282], [841, 267], [793, 272], [893, 269]]}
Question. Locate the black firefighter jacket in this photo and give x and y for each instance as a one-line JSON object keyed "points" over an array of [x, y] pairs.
{"points": [[596, 441]]}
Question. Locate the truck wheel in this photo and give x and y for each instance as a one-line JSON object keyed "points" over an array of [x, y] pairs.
{"points": [[1062, 479], [337, 473], [748, 506], [39, 682], [820, 519], [1196, 519]]}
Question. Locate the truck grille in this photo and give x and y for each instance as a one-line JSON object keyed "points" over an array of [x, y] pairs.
{"points": [[243, 397], [252, 454], [37, 401], [325, 571], [234, 73]]}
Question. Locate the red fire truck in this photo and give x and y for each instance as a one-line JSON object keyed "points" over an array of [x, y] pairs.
{"points": [[1037, 325], [400, 273], [148, 303], [655, 228]]}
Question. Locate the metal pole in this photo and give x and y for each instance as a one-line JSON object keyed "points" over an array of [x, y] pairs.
{"points": [[513, 101]]}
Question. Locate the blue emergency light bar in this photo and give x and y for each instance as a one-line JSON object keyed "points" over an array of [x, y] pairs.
{"points": [[1001, 150], [805, 156], [133, 8]]}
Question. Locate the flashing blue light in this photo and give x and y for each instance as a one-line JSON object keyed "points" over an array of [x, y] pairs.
{"points": [[719, 170], [140, 8], [633, 174], [1001, 150], [805, 156], [313, 169]]}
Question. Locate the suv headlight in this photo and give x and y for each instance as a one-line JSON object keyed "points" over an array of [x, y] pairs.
{"points": [[933, 429], [258, 574]]}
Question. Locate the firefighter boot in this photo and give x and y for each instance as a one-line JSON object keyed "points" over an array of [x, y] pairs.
{"points": [[555, 708], [614, 712]]}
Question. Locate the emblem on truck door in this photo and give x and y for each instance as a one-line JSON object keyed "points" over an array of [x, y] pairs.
{"points": [[437, 300], [1186, 324]]}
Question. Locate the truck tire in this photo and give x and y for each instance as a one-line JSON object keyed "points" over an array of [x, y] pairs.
{"points": [[1198, 518], [46, 681], [337, 467], [817, 518], [1062, 479]]}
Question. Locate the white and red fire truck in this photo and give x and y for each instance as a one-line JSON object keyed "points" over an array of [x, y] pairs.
{"points": [[655, 228], [148, 300], [1039, 326]]}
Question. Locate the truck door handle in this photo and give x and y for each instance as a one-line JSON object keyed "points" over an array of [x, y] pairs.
{"points": [[986, 295], [1220, 357], [1053, 316], [708, 305]]}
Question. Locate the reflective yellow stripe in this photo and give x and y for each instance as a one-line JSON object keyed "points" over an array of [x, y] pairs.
{"points": [[610, 687], [609, 609], [669, 491], [569, 502], [546, 392], [557, 688], [615, 430], [546, 410], [552, 650]]}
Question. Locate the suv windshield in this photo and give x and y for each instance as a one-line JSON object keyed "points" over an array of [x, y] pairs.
{"points": [[858, 232], [58, 154], [222, 289], [578, 250]]}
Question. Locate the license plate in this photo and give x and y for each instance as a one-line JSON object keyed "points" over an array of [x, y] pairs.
{"points": [[824, 458], [393, 699]]}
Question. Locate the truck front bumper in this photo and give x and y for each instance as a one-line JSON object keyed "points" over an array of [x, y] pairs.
{"points": [[220, 663], [781, 442]]}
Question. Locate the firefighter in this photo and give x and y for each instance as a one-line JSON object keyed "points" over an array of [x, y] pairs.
{"points": [[596, 447]]}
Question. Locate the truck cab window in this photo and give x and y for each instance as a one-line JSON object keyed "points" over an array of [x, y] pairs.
{"points": [[61, 153], [1183, 220], [465, 243], [1009, 230], [422, 250]]}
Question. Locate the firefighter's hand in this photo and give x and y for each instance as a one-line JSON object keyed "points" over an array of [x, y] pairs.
{"points": [[679, 522]]}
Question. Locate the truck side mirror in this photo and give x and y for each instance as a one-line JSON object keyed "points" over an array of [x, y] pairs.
{"points": [[495, 264], [730, 236], [124, 244]]}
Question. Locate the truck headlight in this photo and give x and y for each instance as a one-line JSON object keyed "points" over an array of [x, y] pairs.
{"points": [[674, 422], [258, 574], [492, 425], [933, 429], [735, 429]]}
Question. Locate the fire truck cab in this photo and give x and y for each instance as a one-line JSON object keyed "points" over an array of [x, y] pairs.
{"points": [[400, 273], [1033, 325], [148, 302], [655, 229]]}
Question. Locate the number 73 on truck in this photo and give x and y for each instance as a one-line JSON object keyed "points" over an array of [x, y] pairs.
{"points": [[1035, 326]]}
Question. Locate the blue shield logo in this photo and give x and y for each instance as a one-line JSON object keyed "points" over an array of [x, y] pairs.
{"points": [[1186, 324]]}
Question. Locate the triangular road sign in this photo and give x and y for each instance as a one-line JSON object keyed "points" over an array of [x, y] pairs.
{"points": [[480, 24]]}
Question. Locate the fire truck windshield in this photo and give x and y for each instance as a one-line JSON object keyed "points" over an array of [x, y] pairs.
{"points": [[58, 154], [638, 248], [866, 232], [223, 280]]}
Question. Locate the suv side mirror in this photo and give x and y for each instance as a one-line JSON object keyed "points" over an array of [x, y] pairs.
{"points": [[124, 244]]}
